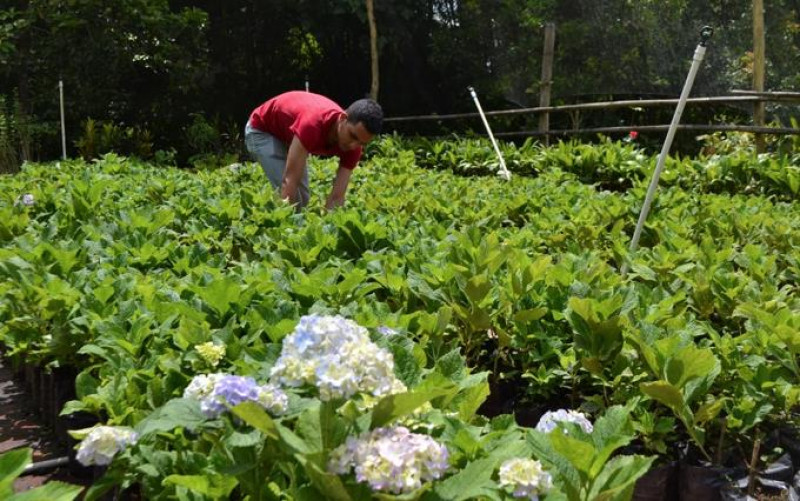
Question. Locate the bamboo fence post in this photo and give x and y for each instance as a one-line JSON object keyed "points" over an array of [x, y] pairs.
{"points": [[547, 78], [759, 55]]}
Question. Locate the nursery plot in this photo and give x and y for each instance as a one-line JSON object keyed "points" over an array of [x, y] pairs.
{"points": [[197, 313]]}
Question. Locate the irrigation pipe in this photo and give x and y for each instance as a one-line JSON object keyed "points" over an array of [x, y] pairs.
{"points": [[63, 126], [503, 170], [699, 52], [45, 466]]}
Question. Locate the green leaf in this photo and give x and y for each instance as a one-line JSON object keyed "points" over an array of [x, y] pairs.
{"points": [[477, 288], [327, 483], [619, 475], [177, 413], [255, 415], [709, 411], [321, 427], [85, 384], [468, 402], [51, 491], [392, 407], [467, 483], [215, 486], [531, 315], [665, 393], [579, 453], [12, 464]]}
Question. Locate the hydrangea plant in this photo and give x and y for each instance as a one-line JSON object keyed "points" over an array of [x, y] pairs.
{"points": [[391, 459], [336, 356], [103, 443]]}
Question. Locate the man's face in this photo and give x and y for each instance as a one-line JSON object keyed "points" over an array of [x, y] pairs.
{"points": [[350, 136]]}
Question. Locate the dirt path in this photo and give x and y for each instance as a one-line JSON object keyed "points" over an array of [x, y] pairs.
{"points": [[20, 426]]}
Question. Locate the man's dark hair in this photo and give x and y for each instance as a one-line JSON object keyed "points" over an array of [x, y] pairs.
{"points": [[368, 112]]}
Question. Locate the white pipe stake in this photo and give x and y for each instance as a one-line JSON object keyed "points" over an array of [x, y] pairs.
{"points": [[503, 170], [662, 158], [63, 126]]}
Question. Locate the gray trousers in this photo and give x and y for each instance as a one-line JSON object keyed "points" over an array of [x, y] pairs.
{"points": [[271, 153]]}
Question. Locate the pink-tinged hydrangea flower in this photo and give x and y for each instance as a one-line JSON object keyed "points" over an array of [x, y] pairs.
{"points": [[391, 459], [103, 443], [335, 355], [525, 477], [549, 421], [217, 392]]}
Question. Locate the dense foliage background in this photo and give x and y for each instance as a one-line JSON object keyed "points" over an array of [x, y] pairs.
{"points": [[183, 74]]}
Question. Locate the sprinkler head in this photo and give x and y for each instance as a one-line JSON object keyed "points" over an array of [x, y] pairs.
{"points": [[705, 35]]}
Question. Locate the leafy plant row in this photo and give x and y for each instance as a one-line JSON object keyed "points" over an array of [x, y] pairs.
{"points": [[123, 271], [615, 166]]}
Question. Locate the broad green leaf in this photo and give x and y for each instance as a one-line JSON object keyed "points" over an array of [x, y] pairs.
{"points": [[255, 415], [392, 407], [85, 384], [467, 483], [709, 411], [329, 484], [321, 428], [531, 315], [665, 393], [618, 476], [579, 453], [215, 486], [12, 464], [177, 413], [477, 288], [51, 491]]}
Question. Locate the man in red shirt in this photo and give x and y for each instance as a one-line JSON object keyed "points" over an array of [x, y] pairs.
{"points": [[283, 131]]}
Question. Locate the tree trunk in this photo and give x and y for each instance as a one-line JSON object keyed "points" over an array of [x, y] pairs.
{"points": [[373, 49]]}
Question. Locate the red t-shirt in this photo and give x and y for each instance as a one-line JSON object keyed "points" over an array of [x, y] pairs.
{"points": [[308, 116]]}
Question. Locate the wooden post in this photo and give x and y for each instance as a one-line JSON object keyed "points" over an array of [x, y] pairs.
{"points": [[759, 55], [373, 49], [547, 77]]}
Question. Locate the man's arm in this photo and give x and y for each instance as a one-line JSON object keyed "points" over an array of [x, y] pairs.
{"points": [[336, 198], [295, 163]]}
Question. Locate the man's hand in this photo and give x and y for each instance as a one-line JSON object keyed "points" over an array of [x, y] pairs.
{"points": [[336, 198], [293, 173]]}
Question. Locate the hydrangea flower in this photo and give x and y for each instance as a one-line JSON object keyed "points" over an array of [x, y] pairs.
{"points": [[103, 443], [525, 477], [273, 399], [549, 421], [211, 353], [202, 386], [26, 200], [217, 392], [391, 459], [387, 331], [335, 355]]}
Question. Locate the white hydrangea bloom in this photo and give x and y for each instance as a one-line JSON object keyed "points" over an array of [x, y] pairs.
{"points": [[103, 443], [335, 355], [273, 399], [202, 386], [391, 459], [525, 477], [26, 200], [549, 421]]}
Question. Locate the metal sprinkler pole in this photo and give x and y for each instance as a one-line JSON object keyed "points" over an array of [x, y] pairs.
{"points": [[700, 51], [503, 170], [63, 126]]}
